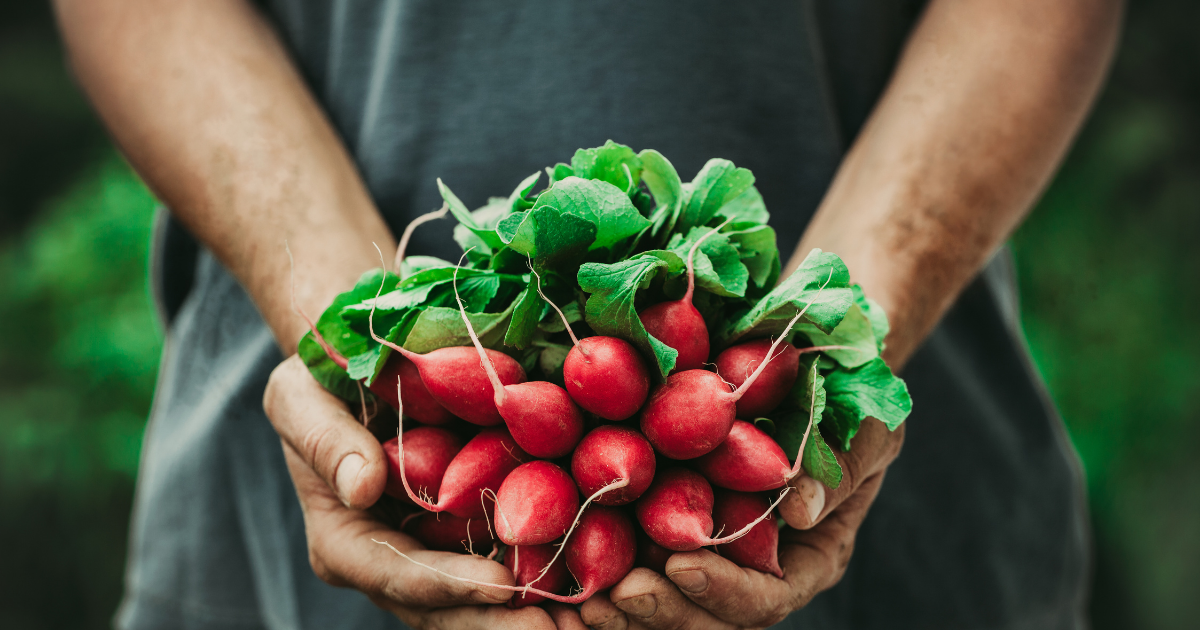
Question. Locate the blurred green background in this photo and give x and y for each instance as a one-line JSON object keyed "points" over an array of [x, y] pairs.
{"points": [[1109, 269]]}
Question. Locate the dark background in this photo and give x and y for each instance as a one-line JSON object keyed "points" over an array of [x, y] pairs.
{"points": [[1110, 283]]}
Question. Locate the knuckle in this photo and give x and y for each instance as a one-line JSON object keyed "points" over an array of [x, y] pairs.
{"points": [[315, 443], [320, 568]]}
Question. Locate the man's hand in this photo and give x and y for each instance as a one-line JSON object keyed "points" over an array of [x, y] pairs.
{"points": [[983, 104], [704, 590], [339, 470]]}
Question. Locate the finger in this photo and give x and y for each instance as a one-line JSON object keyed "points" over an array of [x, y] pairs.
{"points": [[650, 600], [814, 560], [343, 553], [600, 613], [741, 596], [565, 617], [327, 437], [488, 618], [874, 448]]}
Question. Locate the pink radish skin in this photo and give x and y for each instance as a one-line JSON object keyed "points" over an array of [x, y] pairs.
{"points": [[428, 452], [609, 453], [419, 404], [737, 363], [748, 461], [693, 411], [676, 512], [606, 376], [678, 324], [599, 556], [535, 504], [526, 562], [541, 416], [759, 548], [446, 532], [481, 465]]}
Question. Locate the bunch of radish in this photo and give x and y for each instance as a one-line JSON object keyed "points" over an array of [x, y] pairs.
{"points": [[648, 432]]}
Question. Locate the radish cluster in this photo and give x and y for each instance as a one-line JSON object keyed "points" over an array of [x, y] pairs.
{"points": [[639, 440], [554, 524]]}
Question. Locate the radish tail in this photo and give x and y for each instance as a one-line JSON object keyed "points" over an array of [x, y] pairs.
{"points": [[737, 394], [746, 530], [574, 339], [412, 226], [400, 456], [691, 269], [411, 356], [619, 483], [812, 412], [576, 599], [497, 386]]}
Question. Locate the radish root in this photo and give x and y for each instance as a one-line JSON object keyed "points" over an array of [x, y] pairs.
{"points": [[412, 226], [497, 386], [746, 530], [574, 339], [619, 483], [691, 269]]}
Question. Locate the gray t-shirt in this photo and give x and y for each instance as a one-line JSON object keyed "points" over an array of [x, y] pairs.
{"points": [[981, 522]]}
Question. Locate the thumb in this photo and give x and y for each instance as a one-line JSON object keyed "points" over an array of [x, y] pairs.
{"points": [[322, 432]]}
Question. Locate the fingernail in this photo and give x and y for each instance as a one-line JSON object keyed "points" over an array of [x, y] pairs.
{"points": [[640, 606], [347, 473], [692, 581], [812, 492]]}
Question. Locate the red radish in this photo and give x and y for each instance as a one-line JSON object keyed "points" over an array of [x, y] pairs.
{"points": [[604, 375], [652, 555], [453, 376], [535, 504], [599, 556], [526, 562], [481, 465], [609, 453], [678, 324], [693, 411], [676, 512], [748, 461], [737, 363], [540, 415], [759, 548], [419, 404], [430, 450], [446, 532]]}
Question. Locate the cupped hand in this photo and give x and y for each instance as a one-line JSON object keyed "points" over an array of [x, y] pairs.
{"points": [[339, 470], [702, 590]]}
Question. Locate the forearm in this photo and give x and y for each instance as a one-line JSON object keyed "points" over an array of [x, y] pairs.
{"points": [[205, 103], [980, 111]]}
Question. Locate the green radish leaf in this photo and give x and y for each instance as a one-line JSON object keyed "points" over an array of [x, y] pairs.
{"points": [[477, 291], [337, 332], [663, 181], [601, 203], [368, 364], [547, 235], [875, 314], [757, 249], [441, 327], [829, 305], [525, 318], [611, 309], [551, 359], [460, 212], [819, 461], [854, 332], [614, 163], [747, 207], [717, 184], [559, 172], [517, 199], [412, 265], [718, 265], [867, 391], [486, 218]]}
